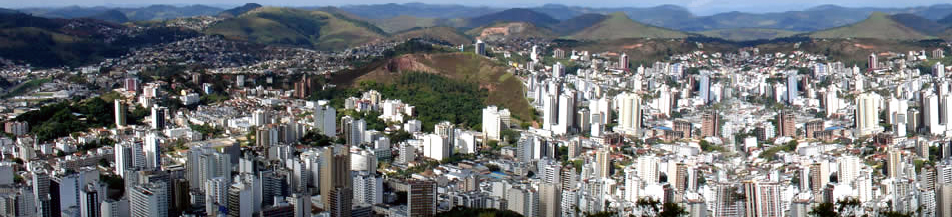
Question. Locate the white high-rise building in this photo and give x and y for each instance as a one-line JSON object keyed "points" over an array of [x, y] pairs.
{"points": [[867, 114], [363, 160], [148, 200], [648, 169], [260, 118], [480, 47], [623, 62], [216, 194], [896, 108], [550, 110], [204, 164], [368, 188], [152, 151], [930, 115], [436, 147], [704, 92], [938, 70], [325, 118], [301, 204], [241, 199], [494, 122], [943, 172], [848, 168], [833, 102], [566, 114], [558, 70], [792, 90], [114, 208], [632, 184], [407, 153], [629, 114], [534, 56], [664, 101], [601, 107]]}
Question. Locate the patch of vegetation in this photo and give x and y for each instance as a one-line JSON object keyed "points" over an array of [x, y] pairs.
{"points": [[62, 119], [315, 139], [708, 147], [436, 98], [24, 87], [771, 153], [484, 212], [286, 26], [206, 130]]}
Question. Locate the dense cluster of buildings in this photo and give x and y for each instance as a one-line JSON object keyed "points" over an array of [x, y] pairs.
{"points": [[717, 134]]}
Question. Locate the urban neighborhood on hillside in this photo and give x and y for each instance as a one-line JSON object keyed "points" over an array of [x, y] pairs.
{"points": [[444, 109]]}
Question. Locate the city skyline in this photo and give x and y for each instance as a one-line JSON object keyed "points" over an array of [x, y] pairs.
{"points": [[422, 110], [699, 7]]}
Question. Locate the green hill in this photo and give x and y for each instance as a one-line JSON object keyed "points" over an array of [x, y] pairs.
{"points": [[877, 26], [285, 26], [918, 23], [404, 22], [947, 20], [447, 34], [748, 34], [234, 12], [512, 15], [111, 16], [46, 42], [578, 23], [946, 35], [511, 30], [504, 89], [618, 26]]}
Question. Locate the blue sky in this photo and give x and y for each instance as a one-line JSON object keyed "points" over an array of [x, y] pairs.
{"points": [[697, 6]]}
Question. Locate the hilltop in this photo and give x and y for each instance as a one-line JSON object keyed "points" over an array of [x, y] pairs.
{"points": [[918, 23], [748, 34], [151, 12], [618, 25], [578, 23], [445, 34], [512, 15], [234, 12], [877, 26], [47, 42], [286, 26], [510, 30], [504, 89]]}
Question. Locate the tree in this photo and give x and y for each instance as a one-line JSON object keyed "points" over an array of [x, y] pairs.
{"points": [[824, 210], [894, 214], [672, 210], [646, 207], [848, 207]]}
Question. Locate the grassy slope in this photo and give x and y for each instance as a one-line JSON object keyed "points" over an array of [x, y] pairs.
{"points": [[618, 26], [947, 34], [447, 34], [404, 22], [286, 26], [513, 29], [877, 26], [505, 89], [747, 34]]}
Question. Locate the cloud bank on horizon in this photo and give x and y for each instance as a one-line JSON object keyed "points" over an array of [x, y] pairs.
{"points": [[696, 6]]}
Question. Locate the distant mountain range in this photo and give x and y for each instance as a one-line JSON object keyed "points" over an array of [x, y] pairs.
{"points": [[57, 42], [296, 27], [879, 26], [153, 12], [331, 28], [668, 16]]}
